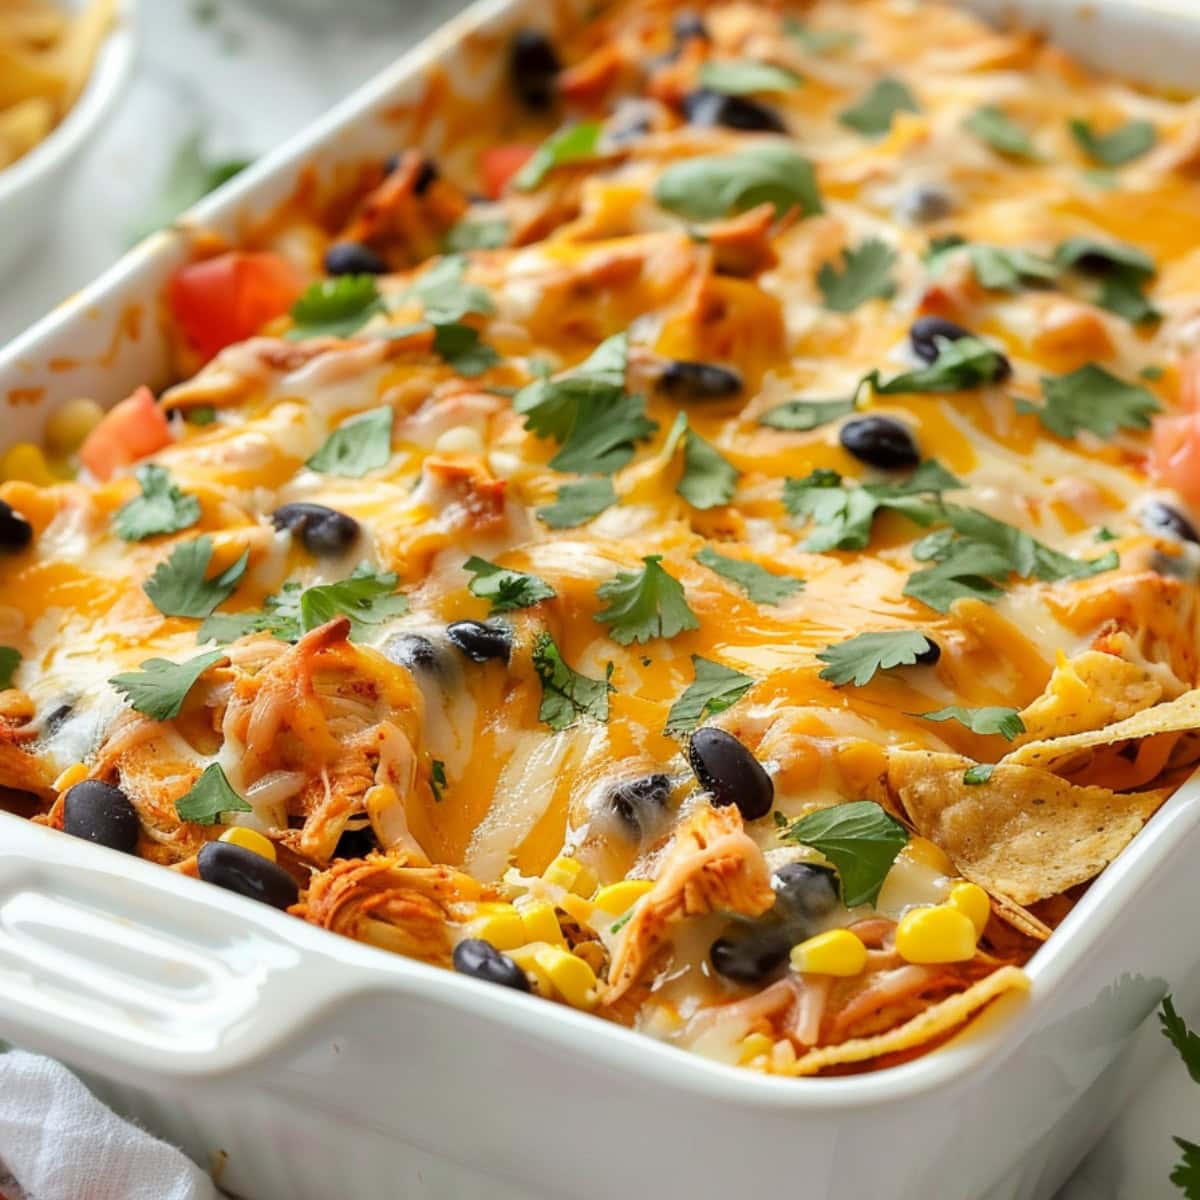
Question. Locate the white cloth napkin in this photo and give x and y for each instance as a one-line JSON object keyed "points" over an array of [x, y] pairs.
{"points": [[58, 1142]]}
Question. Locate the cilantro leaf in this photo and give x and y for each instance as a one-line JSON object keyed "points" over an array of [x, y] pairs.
{"points": [[567, 695], [367, 597], [842, 516], [714, 689], [462, 349], [336, 307], [209, 797], [357, 446], [1009, 268], [961, 364], [1186, 1043], [873, 114], [1118, 147], [578, 503], [470, 234], [978, 774], [159, 687], [818, 41], [1122, 270], [992, 125], [1122, 294], [708, 479], [745, 76], [10, 660], [761, 585], [991, 719], [714, 186], [603, 435], [505, 588], [866, 274], [860, 839], [1186, 1173], [437, 779], [857, 659], [178, 587], [645, 604], [446, 296], [1092, 399], [161, 508], [803, 415], [573, 144], [966, 570]]}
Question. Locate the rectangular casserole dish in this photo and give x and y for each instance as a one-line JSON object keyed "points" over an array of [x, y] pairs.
{"points": [[309, 1066]]}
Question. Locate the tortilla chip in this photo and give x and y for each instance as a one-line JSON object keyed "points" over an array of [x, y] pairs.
{"points": [[1025, 834], [1087, 692], [1176, 716], [1019, 918], [936, 1020]]}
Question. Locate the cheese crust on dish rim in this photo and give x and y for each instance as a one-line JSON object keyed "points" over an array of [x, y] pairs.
{"points": [[733, 576]]}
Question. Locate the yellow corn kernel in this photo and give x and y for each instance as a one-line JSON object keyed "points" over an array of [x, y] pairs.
{"points": [[754, 1044], [935, 935], [526, 958], [617, 898], [249, 839], [928, 854], [541, 925], [499, 924], [570, 976], [26, 462], [834, 952], [571, 874], [972, 901], [68, 426], [75, 773], [577, 908]]}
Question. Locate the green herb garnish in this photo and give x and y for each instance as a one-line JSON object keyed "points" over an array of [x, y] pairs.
{"points": [[711, 187], [1117, 148], [566, 694], [993, 719], [161, 508], [578, 503], [576, 143], [336, 307], [645, 604], [179, 587], [506, 589], [873, 114], [992, 125], [159, 687], [357, 446], [761, 585], [859, 658], [1090, 398], [745, 76], [866, 274], [714, 689], [803, 415], [209, 797]]}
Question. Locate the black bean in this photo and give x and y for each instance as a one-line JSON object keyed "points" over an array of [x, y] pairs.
{"points": [[1158, 517], [930, 654], [325, 532], [533, 67], [353, 258], [55, 719], [804, 892], [479, 641], [15, 532], [688, 24], [880, 442], [356, 843], [927, 333], [101, 813], [427, 173], [641, 803], [750, 954], [698, 380], [481, 960], [240, 870], [925, 202], [730, 773], [411, 650], [708, 109]]}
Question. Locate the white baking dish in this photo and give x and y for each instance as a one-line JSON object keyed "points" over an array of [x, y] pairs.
{"points": [[312, 1067]]}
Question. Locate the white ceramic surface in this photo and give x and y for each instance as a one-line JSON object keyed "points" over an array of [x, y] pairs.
{"points": [[29, 189], [314, 1067]]}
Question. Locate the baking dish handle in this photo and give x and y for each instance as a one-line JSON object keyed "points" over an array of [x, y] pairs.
{"points": [[122, 967]]}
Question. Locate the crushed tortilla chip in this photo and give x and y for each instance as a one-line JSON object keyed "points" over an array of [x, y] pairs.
{"points": [[1025, 833], [1087, 692], [936, 1020], [1176, 716], [1020, 918]]}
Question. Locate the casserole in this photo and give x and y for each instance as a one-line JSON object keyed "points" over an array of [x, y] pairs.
{"points": [[216, 1059]]}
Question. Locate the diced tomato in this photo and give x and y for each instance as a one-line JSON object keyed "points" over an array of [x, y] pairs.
{"points": [[498, 164], [134, 428], [231, 297]]}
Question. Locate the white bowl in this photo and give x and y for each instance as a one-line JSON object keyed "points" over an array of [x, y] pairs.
{"points": [[30, 188]]}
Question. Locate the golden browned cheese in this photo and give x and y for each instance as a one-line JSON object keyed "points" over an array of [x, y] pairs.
{"points": [[946, 180]]}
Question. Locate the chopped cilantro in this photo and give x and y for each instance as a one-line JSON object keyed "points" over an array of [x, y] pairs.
{"points": [[446, 296], [859, 658], [961, 364], [336, 307], [437, 780], [574, 144], [745, 76], [993, 125], [367, 597], [714, 689], [1117, 148], [1092, 399], [979, 773], [818, 41], [1186, 1173], [1152, 373], [462, 350], [159, 687], [761, 585], [505, 588], [860, 839], [357, 446], [873, 114], [471, 234], [993, 719], [866, 274], [161, 508], [709, 480], [578, 503], [179, 588], [10, 660], [566, 694], [209, 797], [710, 187], [803, 415], [645, 604], [200, 414], [1009, 268]]}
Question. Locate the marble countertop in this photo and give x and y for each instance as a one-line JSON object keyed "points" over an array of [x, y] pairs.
{"points": [[244, 75]]}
